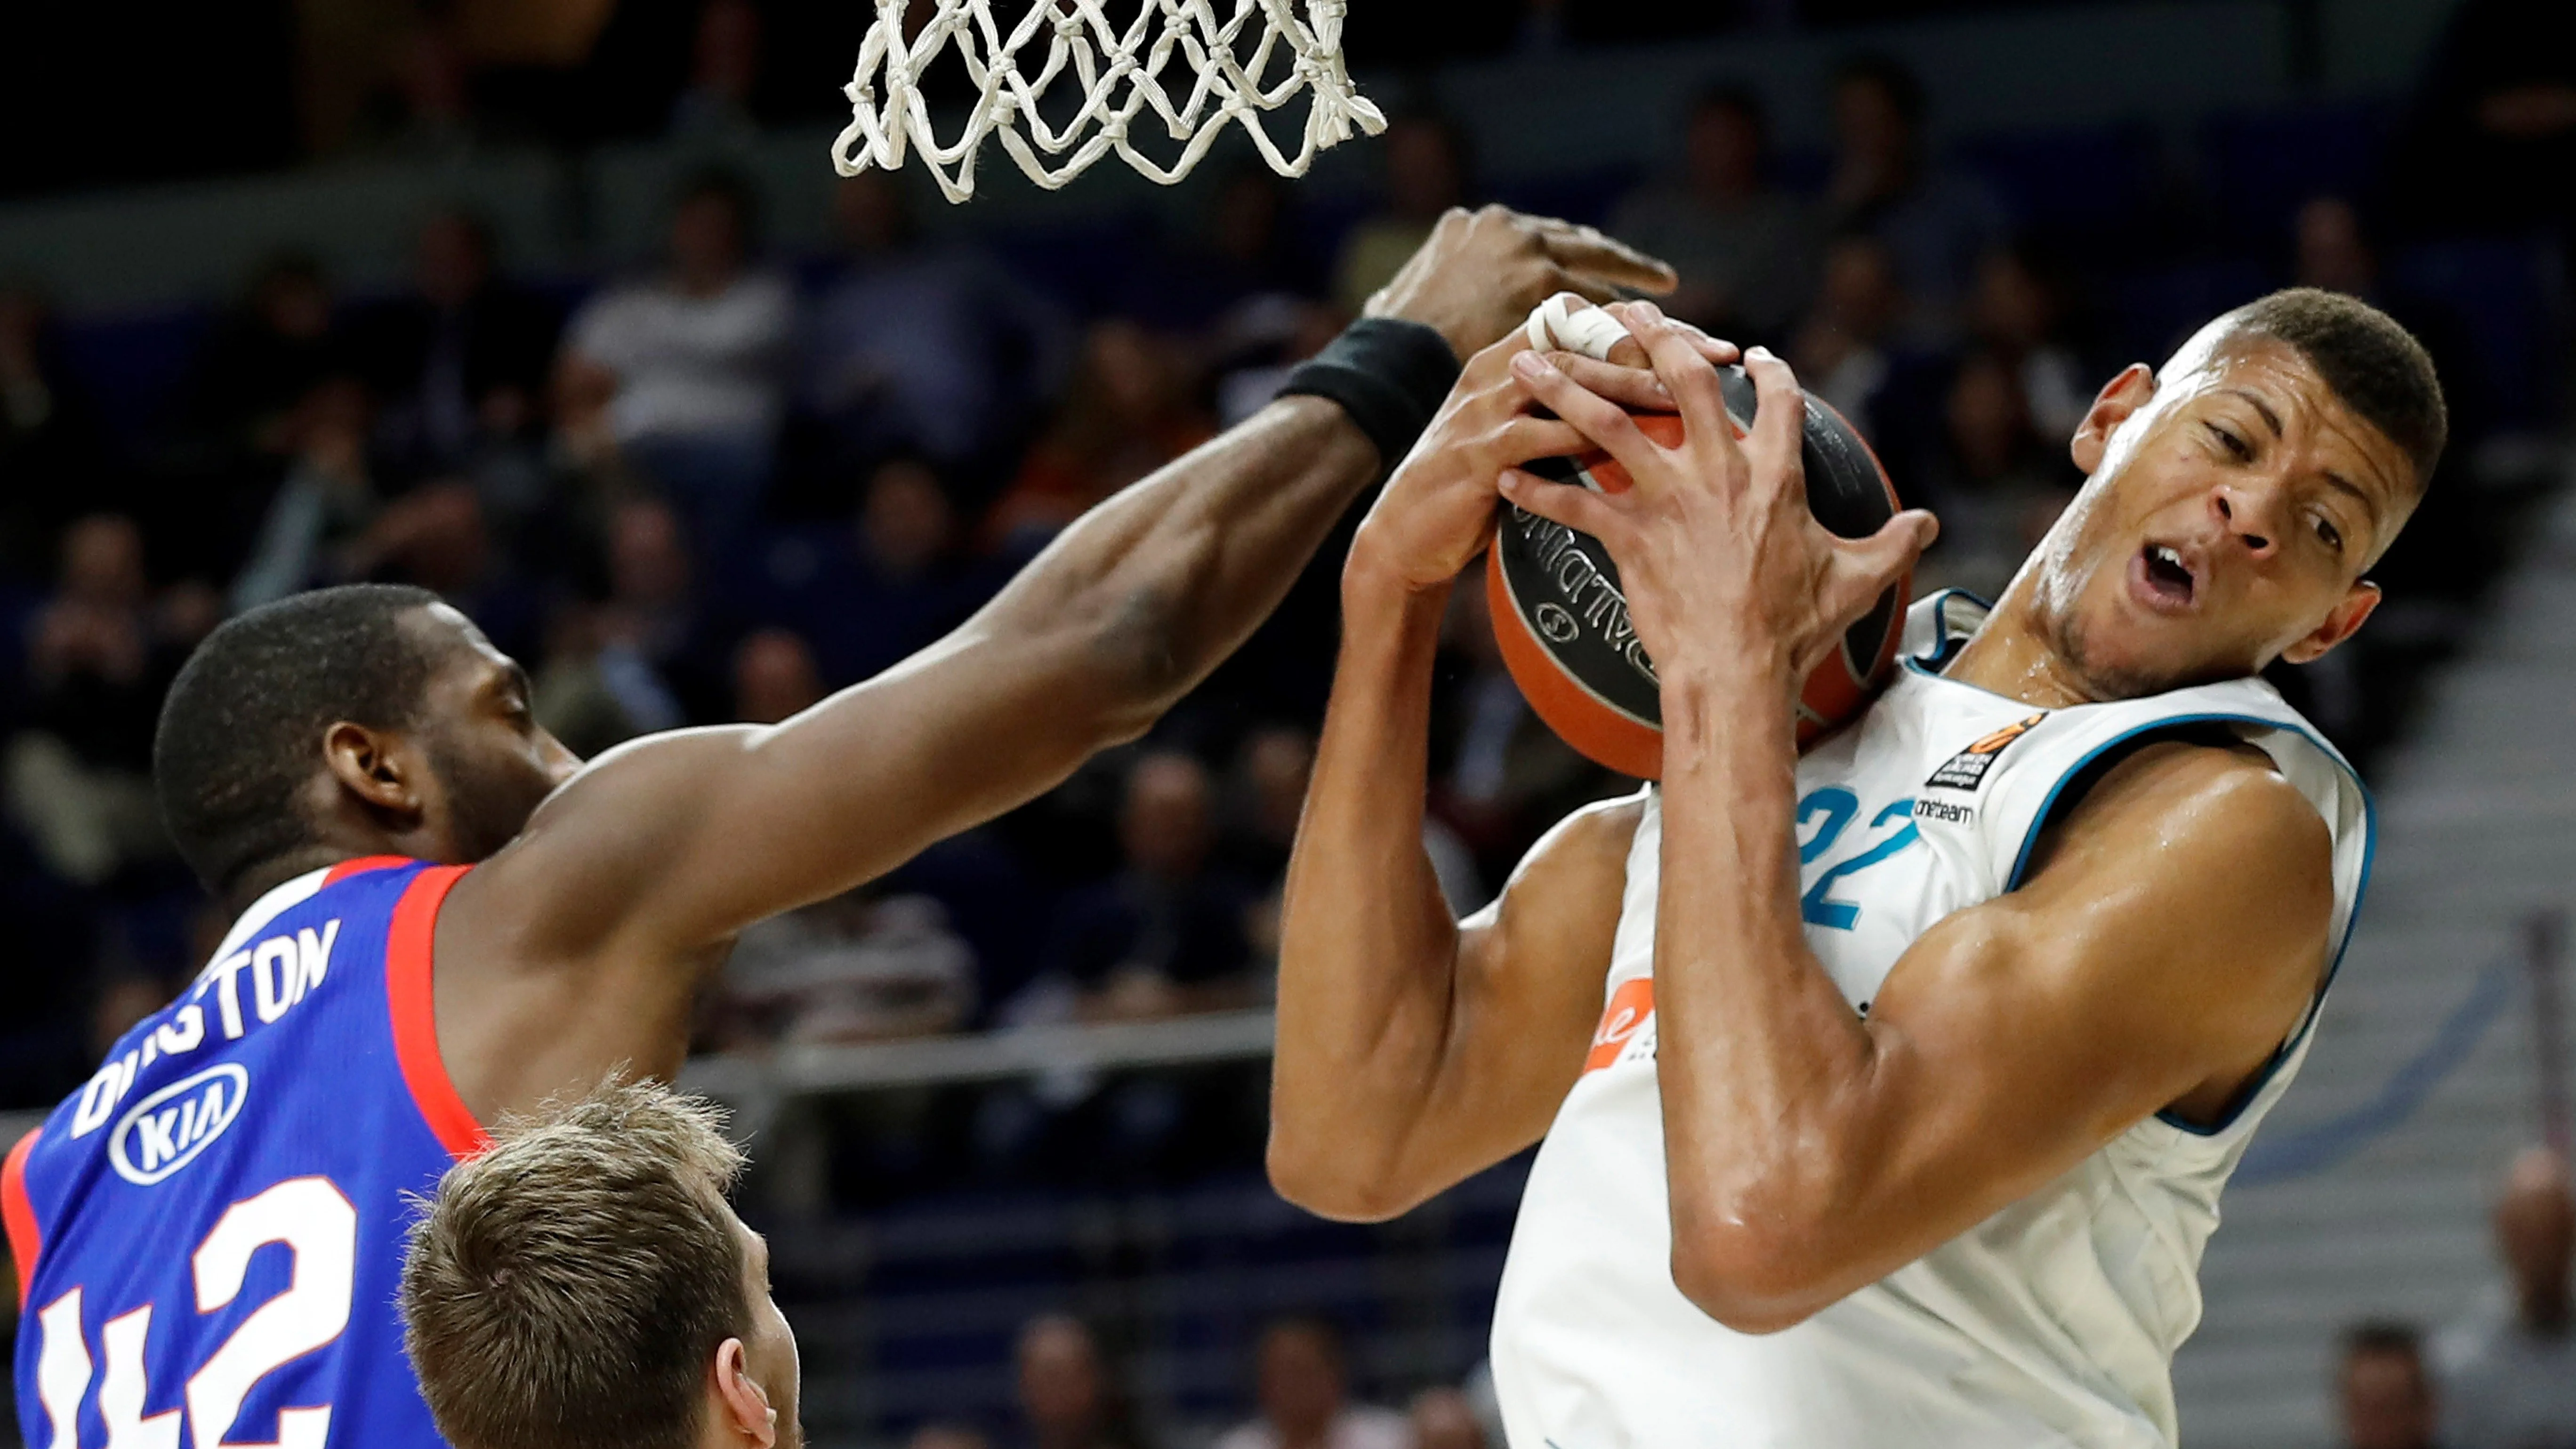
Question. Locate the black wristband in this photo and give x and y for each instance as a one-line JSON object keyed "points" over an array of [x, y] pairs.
{"points": [[1390, 375]]}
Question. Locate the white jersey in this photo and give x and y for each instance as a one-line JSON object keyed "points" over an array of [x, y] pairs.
{"points": [[2053, 1322]]}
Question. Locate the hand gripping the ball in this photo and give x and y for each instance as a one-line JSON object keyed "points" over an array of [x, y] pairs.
{"points": [[1437, 510], [1726, 571]]}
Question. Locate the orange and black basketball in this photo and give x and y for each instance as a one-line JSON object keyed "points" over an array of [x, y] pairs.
{"points": [[1563, 623]]}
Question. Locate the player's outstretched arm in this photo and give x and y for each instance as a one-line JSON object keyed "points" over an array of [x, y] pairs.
{"points": [[1415, 1049], [663, 849]]}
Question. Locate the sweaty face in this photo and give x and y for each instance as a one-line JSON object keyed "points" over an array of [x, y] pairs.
{"points": [[491, 763], [2233, 504]]}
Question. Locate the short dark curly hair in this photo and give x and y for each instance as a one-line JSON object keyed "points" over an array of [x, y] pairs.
{"points": [[2373, 364], [241, 729]]}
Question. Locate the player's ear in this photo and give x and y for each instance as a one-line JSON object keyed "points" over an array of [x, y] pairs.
{"points": [[742, 1411], [369, 766], [2341, 623], [2117, 402]]}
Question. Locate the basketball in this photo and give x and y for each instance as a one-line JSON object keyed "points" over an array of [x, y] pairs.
{"points": [[1563, 625]]}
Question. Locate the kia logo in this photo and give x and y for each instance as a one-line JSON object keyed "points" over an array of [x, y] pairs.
{"points": [[165, 1131]]}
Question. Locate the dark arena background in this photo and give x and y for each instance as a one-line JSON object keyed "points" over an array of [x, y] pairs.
{"points": [[293, 294]]}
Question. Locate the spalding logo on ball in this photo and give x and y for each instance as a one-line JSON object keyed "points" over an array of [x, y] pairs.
{"points": [[1563, 622]]}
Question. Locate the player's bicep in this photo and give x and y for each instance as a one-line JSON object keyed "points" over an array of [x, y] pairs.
{"points": [[1530, 974], [2172, 936]]}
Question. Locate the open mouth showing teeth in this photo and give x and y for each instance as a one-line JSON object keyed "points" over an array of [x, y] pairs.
{"points": [[2167, 573]]}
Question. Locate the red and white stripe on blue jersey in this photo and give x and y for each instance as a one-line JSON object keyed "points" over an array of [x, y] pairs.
{"points": [[209, 1234]]}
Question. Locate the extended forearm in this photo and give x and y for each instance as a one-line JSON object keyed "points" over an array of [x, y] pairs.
{"points": [[1759, 1057], [1173, 573], [1368, 947]]}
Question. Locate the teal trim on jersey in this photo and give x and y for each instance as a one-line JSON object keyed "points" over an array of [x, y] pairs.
{"points": [[2361, 888], [1943, 645]]}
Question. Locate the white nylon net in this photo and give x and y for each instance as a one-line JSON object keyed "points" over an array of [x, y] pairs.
{"points": [[1176, 58]]}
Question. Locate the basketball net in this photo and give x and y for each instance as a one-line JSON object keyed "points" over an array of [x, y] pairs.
{"points": [[1120, 73]]}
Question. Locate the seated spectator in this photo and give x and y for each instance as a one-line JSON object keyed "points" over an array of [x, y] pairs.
{"points": [[1070, 1396], [1442, 1418], [1128, 413], [1934, 223], [1744, 249], [424, 110], [459, 363], [1268, 793], [641, 659], [1303, 1385], [2385, 1395], [654, 614], [317, 519], [872, 591], [1165, 935], [260, 363], [774, 677], [1842, 352], [849, 969], [724, 66], [592, 692], [2017, 312], [685, 373], [2332, 249], [99, 654], [933, 348], [1996, 483], [437, 537], [2508, 1367], [1426, 174]]}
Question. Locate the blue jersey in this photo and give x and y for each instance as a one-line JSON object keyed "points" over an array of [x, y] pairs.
{"points": [[210, 1234]]}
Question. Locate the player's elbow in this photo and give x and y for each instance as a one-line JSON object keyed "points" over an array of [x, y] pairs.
{"points": [[1307, 1171], [1751, 1279]]}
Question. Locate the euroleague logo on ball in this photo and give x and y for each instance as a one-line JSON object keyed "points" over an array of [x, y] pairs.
{"points": [[1561, 617]]}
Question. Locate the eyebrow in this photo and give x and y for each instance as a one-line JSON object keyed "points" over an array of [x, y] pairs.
{"points": [[2270, 418], [2334, 480], [2360, 495]]}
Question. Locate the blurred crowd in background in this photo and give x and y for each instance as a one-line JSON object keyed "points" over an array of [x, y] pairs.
{"points": [[718, 489]]}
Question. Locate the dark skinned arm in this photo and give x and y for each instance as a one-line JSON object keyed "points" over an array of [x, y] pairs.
{"points": [[579, 948]]}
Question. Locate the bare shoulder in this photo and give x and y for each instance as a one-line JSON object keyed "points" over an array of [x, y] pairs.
{"points": [[2196, 809], [1604, 827], [1586, 845], [569, 881], [1558, 916], [2191, 860]]}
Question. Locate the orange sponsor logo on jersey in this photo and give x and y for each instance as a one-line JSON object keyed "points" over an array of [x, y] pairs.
{"points": [[1629, 1008], [1995, 742]]}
